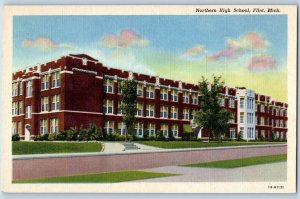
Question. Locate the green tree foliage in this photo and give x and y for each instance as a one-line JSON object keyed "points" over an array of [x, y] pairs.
{"points": [[129, 104], [211, 115]]}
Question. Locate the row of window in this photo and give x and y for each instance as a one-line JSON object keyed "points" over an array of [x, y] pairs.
{"points": [[17, 126], [17, 88], [108, 107], [250, 103], [277, 112], [140, 128], [231, 102]]}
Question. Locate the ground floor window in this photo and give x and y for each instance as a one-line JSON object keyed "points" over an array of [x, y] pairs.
{"points": [[139, 129], [14, 128], [232, 133], [20, 128], [165, 129], [121, 128], [54, 125], [263, 134], [109, 127], [43, 126], [174, 130], [151, 129]]}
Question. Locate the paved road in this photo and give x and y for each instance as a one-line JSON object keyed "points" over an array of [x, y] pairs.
{"points": [[257, 173]]}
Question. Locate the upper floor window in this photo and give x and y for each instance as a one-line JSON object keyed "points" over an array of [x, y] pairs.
{"points": [[222, 102], [108, 86], [185, 113], [164, 94], [21, 88], [150, 92], [108, 107], [43, 126], [120, 84], [15, 108], [262, 108], [232, 117], [55, 79], [250, 103], [55, 102], [164, 112], [14, 89], [20, 107], [262, 121], [192, 116], [45, 82], [241, 117], [150, 110], [174, 130], [140, 90], [28, 112], [231, 103], [174, 96], [186, 97], [140, 109], [242, 101], [120, 105], [29, 88], [54, 125], [174, 111], [195, 99], [45, 104]]}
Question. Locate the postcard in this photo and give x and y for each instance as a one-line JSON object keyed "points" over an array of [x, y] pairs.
{"points": [[149, 99]]}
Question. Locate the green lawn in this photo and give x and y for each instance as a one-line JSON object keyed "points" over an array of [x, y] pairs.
{"points": [[120, 176], [241, 162], [198, 144], [23, 147]]}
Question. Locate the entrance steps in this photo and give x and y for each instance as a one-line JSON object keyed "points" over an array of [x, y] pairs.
{"points": [[130, 146]]}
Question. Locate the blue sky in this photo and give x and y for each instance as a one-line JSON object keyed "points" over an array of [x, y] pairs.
{"points": [[245, 47]]}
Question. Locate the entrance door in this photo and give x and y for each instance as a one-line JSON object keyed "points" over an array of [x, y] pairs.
{"points": [[27, 132]]}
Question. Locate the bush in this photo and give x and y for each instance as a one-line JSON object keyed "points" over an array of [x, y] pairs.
{"points": [[119, 137], [171, 136], [52, 137], [62, 136], [152, 138], [240, 136], [272, 137], [37, 138], [111, 137], [15, 137], [189, 137], [146, 135], [160, 136]]}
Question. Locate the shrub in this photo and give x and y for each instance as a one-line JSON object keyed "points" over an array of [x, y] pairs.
{"points": [[189, 137], [44, 137], [272, 137], [171, 136], [262, 138], [240, 136], [152, 138], [160, 136], [52, 137], [146, 135], [15, 137], [119, 137], [37, 138], [111, 137], [62, 136]]}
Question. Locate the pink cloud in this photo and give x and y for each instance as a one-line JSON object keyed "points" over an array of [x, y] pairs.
{"points": [[44, 44], [194, 51], [251, 41], [262, 62], [127, 38]]}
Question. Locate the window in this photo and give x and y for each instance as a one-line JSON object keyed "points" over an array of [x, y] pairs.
{"points": [[109, 127], [150, 110], [55, 102], [120, 84], [45, 82], [242, 130], [45, 104], [29, 88], [174, 130], [108, 107], [174, 112], [165, 129], [242, 100], [195, 99], [28, 112], [21, 88], [263, 135], [232, 117], [151, 129], [150, 92], [164, 94], [174, 96], [281, 123], [139, 129], [140, 109], [262, 121], [241, 117], [282, 112], [231, 103], [262, 108], [55, 79], [193, 114], [120, 107], [250, 133], [108, 86], [186, 97], [14, 128], [121, 128], [140, 90], [222, 102], [256, 120], [20, 128], [15, 108], [20, 107], [250, 103], [84, 61], [43, 126], [15, 89], [186, 113], [256, 108], [54, 125], [164, 112], [232, 133], [250, 118]]}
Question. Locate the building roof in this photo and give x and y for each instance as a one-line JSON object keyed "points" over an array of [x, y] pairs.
{"points": [[83, 56]]}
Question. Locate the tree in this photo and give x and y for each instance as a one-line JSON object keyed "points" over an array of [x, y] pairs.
{"points": [[129, 104], [211, 115]]}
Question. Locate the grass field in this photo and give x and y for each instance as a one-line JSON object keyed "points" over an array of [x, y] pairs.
{"points": [[20, 148], [242, 162], [120, 176], [198, 144]]}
